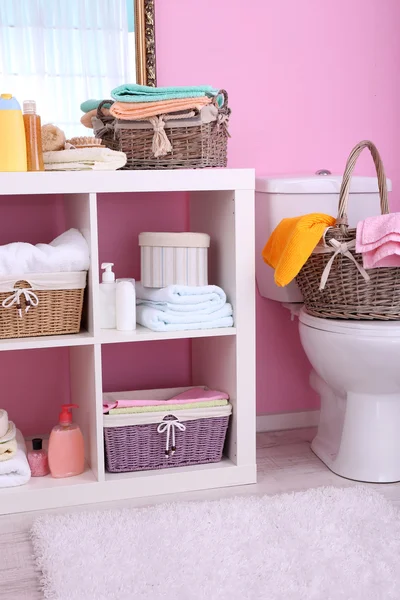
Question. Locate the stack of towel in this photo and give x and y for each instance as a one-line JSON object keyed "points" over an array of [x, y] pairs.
{"points": [[378, 239], [198, 397], [84, 159], [135, 103], [181, 308], [14, 467]]}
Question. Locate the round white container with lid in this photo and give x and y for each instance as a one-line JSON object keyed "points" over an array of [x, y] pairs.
{"points": [[174, 259]]}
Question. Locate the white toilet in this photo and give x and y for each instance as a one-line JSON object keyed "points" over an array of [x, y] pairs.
{"points": [[356, 364]]}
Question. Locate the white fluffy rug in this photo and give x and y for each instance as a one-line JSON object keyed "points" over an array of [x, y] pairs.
{"points": [[323, 544]]}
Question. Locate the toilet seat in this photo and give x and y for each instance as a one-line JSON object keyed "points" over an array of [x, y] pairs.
{"points": [[356, 328]]}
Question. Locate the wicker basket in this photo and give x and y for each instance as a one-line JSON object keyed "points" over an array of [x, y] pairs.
{"points": [[138, 442], [30, 308], [333, 282], [193, 147]]}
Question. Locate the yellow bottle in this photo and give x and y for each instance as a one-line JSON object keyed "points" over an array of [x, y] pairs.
{"points": [[12, 135]]}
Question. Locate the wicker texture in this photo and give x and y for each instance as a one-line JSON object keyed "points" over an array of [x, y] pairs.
{"points": [[58, 312], [194, 147], [347, 295], [141, 447]]}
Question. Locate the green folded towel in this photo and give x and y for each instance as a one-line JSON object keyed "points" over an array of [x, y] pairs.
{"points": [[89, 105], [132, 92], [168, 406]]}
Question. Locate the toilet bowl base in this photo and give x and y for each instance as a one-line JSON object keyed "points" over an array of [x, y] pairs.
{"points": [[358, 434], [320, 452]]}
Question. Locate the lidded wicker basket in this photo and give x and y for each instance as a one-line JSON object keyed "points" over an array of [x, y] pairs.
{"points": [[194, 144], [333, 281]]}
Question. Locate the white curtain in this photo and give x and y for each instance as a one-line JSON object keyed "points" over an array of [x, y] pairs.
{"points": [[62, 52]]}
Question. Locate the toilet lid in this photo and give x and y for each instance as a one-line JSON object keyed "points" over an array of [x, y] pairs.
{"points": [[367, 328]]}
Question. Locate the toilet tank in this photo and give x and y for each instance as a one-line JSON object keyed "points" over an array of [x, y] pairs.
{"points": [[292, 196]]}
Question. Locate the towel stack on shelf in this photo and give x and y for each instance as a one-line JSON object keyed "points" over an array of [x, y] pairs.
{"points": [[14, 467], [182, 308]]}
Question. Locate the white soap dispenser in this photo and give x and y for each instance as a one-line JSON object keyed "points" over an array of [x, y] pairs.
{"points": [[107, 297]]}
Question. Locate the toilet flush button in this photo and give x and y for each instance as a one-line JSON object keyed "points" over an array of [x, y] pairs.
{"points": [[323, 172]]}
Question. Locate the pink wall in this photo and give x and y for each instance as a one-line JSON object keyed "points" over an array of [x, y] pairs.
{"points": [[306, 80]]}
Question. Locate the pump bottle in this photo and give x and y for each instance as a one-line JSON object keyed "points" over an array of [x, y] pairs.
{"points": [[66, 446], [108, 298]]}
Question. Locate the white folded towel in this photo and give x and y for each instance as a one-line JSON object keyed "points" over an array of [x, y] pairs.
{"points": [[182, 298], [84, 159], [67, 253], [16, 470], [158, 320]]}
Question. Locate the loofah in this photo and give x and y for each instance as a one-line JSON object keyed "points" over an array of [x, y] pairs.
{"points": [[53, 138]]}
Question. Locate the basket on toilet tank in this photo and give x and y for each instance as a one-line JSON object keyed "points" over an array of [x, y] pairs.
{"points": [[174, 259], [333, 281]]}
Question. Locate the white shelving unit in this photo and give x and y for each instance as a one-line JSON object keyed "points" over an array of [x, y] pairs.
{"points": [[221, 204]]}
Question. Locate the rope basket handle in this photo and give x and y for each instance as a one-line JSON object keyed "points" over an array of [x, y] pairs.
{"points": [[348, 172], [103, 103], [224, 106]]}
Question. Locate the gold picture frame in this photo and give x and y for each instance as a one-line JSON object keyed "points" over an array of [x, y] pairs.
{"points": [[145, 42]]}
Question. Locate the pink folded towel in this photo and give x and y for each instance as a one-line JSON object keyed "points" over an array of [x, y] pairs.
{"points": [[378, 239], [190, 396]]}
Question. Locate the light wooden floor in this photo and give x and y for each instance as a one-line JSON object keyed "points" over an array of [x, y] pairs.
{"points": [[285, 463]]}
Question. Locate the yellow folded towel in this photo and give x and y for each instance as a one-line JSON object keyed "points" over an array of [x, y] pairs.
{"points": [[133, 111], [291, 244], [8, 450]]}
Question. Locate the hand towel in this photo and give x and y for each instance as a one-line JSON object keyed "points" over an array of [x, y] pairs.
{"points": [[84, 159], [133, 92], [8, 450], [3, 422], [378, 239], [292, 242], [90, 105], [86, 119], [131, 111], [158, 320], [196, 394], [69, 252], [166, 406], [182, 298], [15, 471], [9, 434]]}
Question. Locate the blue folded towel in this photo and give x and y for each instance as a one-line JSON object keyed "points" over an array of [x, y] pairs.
{"points": [[158, 320], [133, 92], [91, 104]]}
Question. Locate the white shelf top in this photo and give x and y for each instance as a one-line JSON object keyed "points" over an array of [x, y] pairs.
{"points": [[83, 182], [142, 334], [47, 341]]}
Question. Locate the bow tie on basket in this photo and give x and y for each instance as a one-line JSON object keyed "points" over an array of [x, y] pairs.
{"points": [[169, 425], [31, 299]]}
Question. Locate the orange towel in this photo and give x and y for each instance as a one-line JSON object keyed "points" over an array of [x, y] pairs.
{"points": [[291, 244], [133, 111]]}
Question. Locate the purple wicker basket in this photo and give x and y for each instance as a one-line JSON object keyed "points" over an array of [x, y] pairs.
{"points": [[145, 447]]}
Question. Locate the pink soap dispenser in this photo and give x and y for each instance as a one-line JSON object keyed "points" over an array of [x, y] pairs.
{"points": [[66, 446]]}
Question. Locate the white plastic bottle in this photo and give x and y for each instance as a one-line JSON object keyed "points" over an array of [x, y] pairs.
{"points": [[107, 297], [126, 305]]}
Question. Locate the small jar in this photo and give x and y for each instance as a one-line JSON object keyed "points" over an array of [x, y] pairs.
{"points": [[38, 460]]}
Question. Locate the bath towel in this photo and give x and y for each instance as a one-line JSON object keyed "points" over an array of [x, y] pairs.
{"points": [[15, 471], [292, 242], [130, 111], [182, 298], [166, 406], [84, 159], [378, 239], [69, 252], [193, 395], [8, 449], [158, 320], [133, 92]]}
